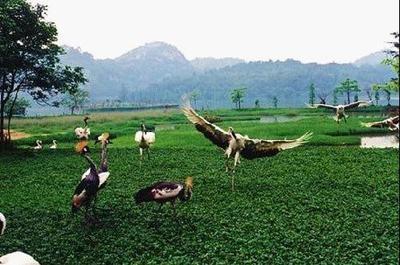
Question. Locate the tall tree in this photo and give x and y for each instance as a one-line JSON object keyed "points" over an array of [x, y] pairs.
{"points": [[275, 102], [311, 94], [75, 100], [388, 93], [194, 96], [29, 59], [347, 87], [237, 96], [377, 97], [257, 103]]}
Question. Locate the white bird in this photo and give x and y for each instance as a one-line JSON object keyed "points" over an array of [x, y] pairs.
{"points": [[238, 145], [339, 109], [3, 223], [18, 258], [83, 133], [54, 145], [38, 145], [392, 123], [145, 139]]}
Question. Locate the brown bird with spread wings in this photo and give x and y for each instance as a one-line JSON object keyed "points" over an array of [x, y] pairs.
{"points": [[392, 123], [238, 145], [339, 109]]}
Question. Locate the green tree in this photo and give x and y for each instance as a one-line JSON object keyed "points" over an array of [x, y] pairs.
{"points": [[194, 96], [347, 87], [311, 94], [388, 93], [257, 103], [19, 108], [75, 100], [393, 62], [29, 59], [275, 102], [237, 96]]}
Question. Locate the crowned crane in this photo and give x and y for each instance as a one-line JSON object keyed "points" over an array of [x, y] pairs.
{"points": [[392, 123], [238, 145], [54, 145], [162, 192], [83, 133], [38, 146], [18, 258], [3, 223], [339, 109], [103, 170], [144, 139], [86, 190]]}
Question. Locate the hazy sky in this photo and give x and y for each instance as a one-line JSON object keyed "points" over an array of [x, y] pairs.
{"points": [[308, 30]]}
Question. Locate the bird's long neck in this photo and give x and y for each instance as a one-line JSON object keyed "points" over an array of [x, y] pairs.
{"points": [[90, 161], [104, 157]]}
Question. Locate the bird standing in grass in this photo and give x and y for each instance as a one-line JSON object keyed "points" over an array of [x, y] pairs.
{"points": [[144, 139], [3, 223], [83, 133], [86, 191], [391, 123], [38, 145], [238, 145], [339, 109], [162, 192], [18, 258]]}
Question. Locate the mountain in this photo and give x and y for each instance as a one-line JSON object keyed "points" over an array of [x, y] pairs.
{"points": [[209, 63], [159, 73], [371, 59]]}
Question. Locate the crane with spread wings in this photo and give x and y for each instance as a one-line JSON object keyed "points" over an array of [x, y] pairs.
{"points": [[238, 145], [391, 123], [339, 109]]}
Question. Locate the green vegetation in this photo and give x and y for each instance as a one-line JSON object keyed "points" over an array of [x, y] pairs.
{"points": [[237, 96], [326, 202], [347, 87]]}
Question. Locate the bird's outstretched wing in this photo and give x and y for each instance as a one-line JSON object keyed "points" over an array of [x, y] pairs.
{"points": [[390, 122], [255, 148], [315, 106], [212, 132], [357, 104]]}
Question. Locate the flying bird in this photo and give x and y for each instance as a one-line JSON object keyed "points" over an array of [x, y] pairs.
{"points": [[54, 145], [18, 258], [3, 223], [86, 191], [391, 123], [339, 109], [238, 145], [144, 139], [83, 133], [162, 192], [38, 146]]}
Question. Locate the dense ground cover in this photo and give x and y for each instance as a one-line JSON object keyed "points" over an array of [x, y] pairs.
{"points": [[327, 202]]}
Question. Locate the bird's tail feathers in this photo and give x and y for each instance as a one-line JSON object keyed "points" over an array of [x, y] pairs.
{"points": [[305, 138]]}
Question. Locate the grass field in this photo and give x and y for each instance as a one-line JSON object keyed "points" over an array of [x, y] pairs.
{"points": [[329, 202]]}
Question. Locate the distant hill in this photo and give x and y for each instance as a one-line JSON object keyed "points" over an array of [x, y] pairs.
{"points": [[209, 63], [158, 73], [371, 59]]}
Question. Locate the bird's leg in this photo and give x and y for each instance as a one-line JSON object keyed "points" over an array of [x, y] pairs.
{"points": [[237, 157], [141, 153], [228, 154]]}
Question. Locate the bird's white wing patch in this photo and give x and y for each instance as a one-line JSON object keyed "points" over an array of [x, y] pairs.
{"points": [[85, 174], [103, 177], [166, 193], [3, 220], [150, 137], [138, 136], [82, 133], [18, 258]]}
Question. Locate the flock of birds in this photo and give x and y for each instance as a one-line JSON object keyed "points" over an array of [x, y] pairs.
{"points": [[235, 145]]}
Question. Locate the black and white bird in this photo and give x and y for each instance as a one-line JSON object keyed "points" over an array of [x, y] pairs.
{"points": [[103, 171], [86, 191], [340, 109], [39, 145], [3, 224], [83, 133], [391, 123], [144, 139], [162, 192], [54, 145], [238, 145], [18, 258]]}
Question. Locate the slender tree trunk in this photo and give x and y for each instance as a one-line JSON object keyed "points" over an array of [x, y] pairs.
{"points": [[10, 117], [239, 104], [348, 97]]}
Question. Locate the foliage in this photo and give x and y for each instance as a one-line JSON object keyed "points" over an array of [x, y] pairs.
{"points": [[347, 87], [377, 97], [237, 95], [194, 96], [388, 93], [75, 100], [19, 108], [275, 102], [257, 103], [311, 94], [29, 58]]}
